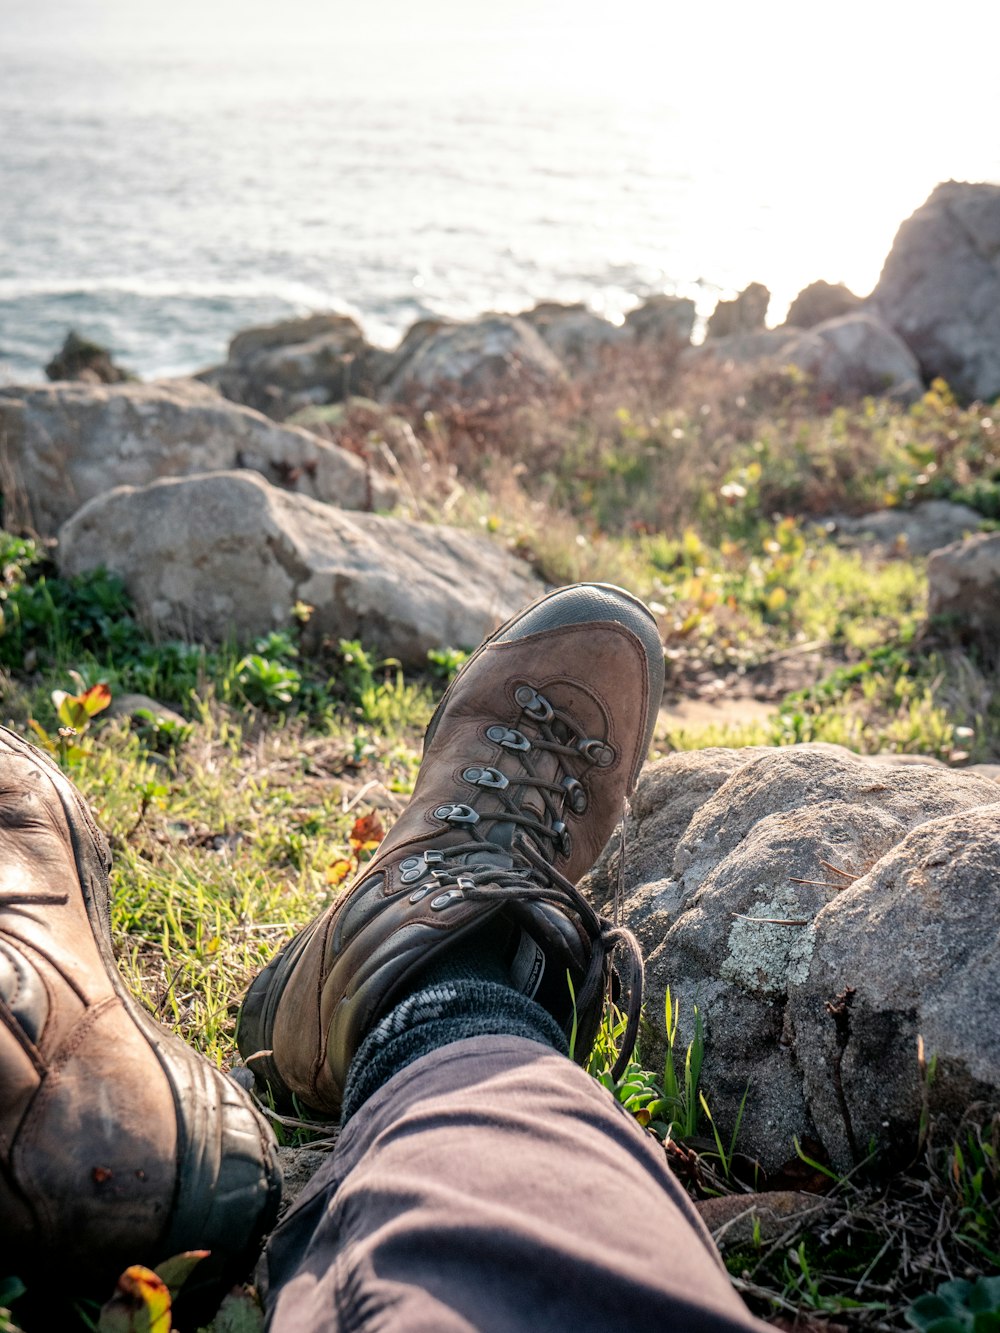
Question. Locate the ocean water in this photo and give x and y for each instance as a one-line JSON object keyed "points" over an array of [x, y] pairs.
{"points": [[160, 197]]}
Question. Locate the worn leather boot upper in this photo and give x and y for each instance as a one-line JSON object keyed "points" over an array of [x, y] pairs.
{"points": [[118, 1144], [527, 765]]}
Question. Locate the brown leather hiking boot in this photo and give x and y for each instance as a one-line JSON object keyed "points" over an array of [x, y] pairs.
{"points": [[118, 1144], [527, 764]]}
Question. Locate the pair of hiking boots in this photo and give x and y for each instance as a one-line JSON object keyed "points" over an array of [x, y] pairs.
{"points": [[118, 1143]]}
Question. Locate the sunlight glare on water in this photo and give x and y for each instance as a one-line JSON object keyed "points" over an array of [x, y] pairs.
{"points": [[169, 174]]}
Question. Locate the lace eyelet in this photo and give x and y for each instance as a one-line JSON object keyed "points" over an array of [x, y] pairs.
{"points": [[508, 738], [596, 751], [565, 842], [576, 795], [486, 777], [457, 813], [535, 705]]}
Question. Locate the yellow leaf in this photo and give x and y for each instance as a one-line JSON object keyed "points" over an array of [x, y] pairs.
{"points": [[776, 599], [96, 699], [141, 1304], [338, 871]]}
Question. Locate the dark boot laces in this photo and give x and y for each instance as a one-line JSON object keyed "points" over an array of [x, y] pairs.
{"points": [[514, 864]]}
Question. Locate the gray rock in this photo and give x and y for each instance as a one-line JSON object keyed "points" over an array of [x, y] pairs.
{"points": [[577, 336], [764, 345], [914, 945], [89, 362], [819, 302], [496, 354], [919, 530], [662, 321], [207, 556], [963, 592], [856, 354], [940, 287], [67, 443], [733, 909], [129, 705], [743, 314], [279, 368]]}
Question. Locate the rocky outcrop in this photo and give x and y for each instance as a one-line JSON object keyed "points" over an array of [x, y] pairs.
{"points": [[577, 336], [205, 557], [767, 884], [89, 362], [852, 355], [963, 595], [940, 287], [819, 302], [495, 355], [856, 354], [63, 444], [280, 368], [662, 321], [916, 531], [743, 314]]}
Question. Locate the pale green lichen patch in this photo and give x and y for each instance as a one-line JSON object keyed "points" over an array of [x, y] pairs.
{"points": [[764, 956]]}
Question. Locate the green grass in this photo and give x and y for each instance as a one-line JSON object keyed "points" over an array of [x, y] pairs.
{"points": [[231, 830]]}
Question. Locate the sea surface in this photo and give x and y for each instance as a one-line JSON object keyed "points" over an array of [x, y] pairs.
{"points": [[159, 199]]}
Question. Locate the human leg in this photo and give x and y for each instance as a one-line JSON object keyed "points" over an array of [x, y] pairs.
{"points": [[493, 1185], [488, 1182]]}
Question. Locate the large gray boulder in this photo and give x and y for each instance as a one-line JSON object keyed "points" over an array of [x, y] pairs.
{"points": [[577, 336], [226, 553], [856, 354], [492, 355], [740, 349], [740, 869], [281, 368], [940, 287], [917, 531], [65, 443], [963, 592]]}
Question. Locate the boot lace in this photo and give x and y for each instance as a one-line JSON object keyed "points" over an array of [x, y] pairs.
{"points": [[484, 869]]}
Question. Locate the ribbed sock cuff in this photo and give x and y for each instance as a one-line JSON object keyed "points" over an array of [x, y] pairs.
{"points": [[437, 1015]]}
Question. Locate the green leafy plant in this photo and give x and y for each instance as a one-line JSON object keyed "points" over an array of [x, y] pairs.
{"points": [[11, 1290], [446, 663], [959, 1307], [74, 713], [266, 682]]}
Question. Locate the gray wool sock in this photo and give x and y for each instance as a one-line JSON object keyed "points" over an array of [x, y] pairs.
{"points": [[441, 1012]]}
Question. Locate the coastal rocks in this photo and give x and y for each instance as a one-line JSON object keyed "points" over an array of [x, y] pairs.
{"points": [[745, 911], [575, 334], [819, 302], [491, 356], [916, 531], [852, 355], [940, 287], [81, 359], [856, 354], [662, 321], [279, 368], [66, 443], [963, 602], [204, 557], [743, 314]]}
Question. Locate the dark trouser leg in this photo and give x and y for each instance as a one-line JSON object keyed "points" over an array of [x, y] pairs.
{"points": [[493, 1185]]}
